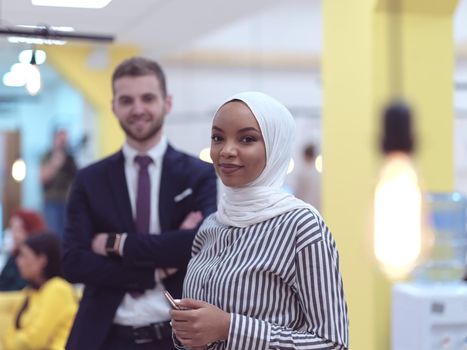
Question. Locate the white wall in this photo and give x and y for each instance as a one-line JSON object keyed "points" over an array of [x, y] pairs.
{"points": [[198, 93]]}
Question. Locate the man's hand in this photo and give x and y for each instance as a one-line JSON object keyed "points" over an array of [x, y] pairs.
{"points": [[202, 324], [98, 244], [192, 220]]}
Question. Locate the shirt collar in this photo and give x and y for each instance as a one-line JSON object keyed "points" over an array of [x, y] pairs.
{"points": [[156, 152]]}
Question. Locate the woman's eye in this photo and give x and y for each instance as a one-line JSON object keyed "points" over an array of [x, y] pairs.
{"points": [[248, 139], [216, 138]]}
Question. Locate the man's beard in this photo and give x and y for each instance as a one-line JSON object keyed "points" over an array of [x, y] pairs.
{"points": [[144, 137]]}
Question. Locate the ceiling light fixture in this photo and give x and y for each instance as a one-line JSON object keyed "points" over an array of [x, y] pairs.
{"points": [[49, 36], [56, 28], [13, 80], [34, 81], [26, 56], [92, 4], [34, 41]]}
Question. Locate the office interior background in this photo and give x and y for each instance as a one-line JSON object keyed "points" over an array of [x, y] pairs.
{"points": [[212, 49]]}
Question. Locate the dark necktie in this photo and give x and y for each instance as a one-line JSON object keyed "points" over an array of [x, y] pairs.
{"points": [[143, 195]]}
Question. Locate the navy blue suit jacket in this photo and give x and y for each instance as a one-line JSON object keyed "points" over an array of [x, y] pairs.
{"points": [[99, 202]]}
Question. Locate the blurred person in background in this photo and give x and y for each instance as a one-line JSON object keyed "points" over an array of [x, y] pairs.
{"points": [[22, 224], [307, 182], [131, 219], [41, 315], [57, 172]]}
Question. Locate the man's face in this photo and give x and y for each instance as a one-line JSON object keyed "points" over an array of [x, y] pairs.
{"points": [[140, 108]]}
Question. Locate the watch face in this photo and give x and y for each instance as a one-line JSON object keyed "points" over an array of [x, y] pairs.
{"points": [[110, 241]]}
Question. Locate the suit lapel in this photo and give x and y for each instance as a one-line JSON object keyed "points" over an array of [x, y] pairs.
{"points": [[118, 186]]}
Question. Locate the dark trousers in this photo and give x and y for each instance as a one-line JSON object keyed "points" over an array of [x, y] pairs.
{"points": [[54, 213], [117, 340]]}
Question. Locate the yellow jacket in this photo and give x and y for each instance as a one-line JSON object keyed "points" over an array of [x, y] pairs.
{"points": [[46, 322]]}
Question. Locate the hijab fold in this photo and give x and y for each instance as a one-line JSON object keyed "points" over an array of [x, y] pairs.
{"points": [[263, 198]]}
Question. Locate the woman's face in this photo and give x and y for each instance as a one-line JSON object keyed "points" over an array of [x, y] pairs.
{"points": [[17, 230], [237, 146], [30, 264]]}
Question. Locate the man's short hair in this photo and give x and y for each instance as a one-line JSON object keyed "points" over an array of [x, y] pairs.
{"points": [[139, 66]]}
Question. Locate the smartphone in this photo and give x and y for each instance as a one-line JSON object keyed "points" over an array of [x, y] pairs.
{"points": [[171, 301]]}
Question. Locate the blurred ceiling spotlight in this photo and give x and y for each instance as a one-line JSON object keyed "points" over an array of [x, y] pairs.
{"points": [[17, 76], [205, 155], [27, 56], [33, 82], [13, 80], [319, 163]]}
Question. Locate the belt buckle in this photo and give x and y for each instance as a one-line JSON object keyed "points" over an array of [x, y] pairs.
{"points": [[143, 335], [158, 331]]}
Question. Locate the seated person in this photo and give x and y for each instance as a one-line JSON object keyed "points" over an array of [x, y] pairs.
{"points": [[23, 223], [43, 317]]}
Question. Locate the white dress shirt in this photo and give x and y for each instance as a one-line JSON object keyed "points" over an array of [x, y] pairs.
{"points": [[152, 305]]}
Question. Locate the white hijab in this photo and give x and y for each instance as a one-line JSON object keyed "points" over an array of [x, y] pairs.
{"points": [[263, 198]]}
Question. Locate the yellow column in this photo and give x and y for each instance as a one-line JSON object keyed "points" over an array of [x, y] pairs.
{"points": [[95, 85], [358, 71]]}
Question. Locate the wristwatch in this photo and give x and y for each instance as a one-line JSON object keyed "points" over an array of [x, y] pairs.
{"points": [[112, 244]]}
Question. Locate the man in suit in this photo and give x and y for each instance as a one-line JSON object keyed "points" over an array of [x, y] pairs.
{"points": [[147, 187]]}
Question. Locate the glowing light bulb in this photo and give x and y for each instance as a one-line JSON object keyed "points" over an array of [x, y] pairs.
{"points": [[319, 163], [18, 170], [33, 83], [398, 238]]}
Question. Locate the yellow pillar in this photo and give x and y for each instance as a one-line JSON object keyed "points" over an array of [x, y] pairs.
{"points": [[95, 85], [359, 67]]}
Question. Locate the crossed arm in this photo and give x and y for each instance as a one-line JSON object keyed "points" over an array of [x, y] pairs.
{"points": [[142, 254]]}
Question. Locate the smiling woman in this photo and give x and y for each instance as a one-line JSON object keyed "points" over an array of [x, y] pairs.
{"points": [[265, 269], [237, 146]]}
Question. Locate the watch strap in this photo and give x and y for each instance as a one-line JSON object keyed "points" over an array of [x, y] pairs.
{"points": [[112, 245]]}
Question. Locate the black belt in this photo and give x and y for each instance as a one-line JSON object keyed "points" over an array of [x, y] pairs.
{"points": [[144, 334]]}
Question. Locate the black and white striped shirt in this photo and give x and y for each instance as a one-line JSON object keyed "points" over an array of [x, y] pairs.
{"points": [[279, 280]]}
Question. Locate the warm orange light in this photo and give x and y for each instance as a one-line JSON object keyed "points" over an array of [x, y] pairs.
{"points": [[398, 231]]}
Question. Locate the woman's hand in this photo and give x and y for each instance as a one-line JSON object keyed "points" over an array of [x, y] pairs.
{"points": [[202, 324]]}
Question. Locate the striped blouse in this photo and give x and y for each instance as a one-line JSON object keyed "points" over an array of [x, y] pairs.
{"points": [[279, 280]]}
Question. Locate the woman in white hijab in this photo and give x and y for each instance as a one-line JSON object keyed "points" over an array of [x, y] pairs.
{"points": [[264, 272]]}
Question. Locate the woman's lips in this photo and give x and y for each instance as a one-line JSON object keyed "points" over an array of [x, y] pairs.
{"points": [[229, 168]]}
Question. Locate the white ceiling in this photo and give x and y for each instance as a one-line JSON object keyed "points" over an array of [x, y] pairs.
{"points": [[153, 24], [162, 26], [174, 26]]}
